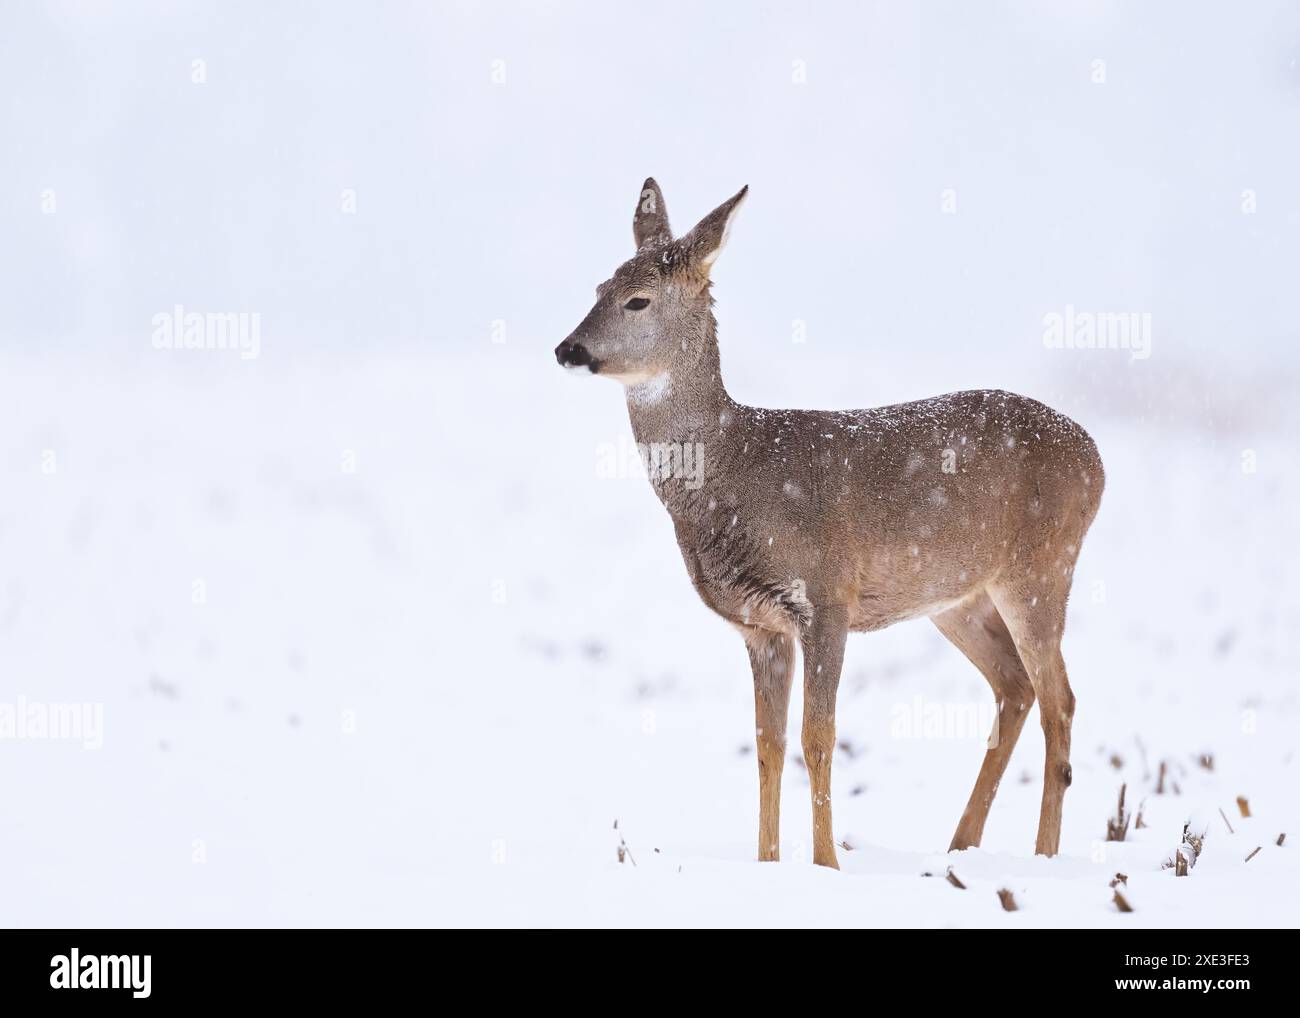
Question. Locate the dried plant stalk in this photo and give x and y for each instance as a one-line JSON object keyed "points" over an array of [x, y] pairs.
{"points": [[1117, 826]]}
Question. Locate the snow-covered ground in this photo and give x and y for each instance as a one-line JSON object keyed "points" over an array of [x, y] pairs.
{"points": [[378, 640]]}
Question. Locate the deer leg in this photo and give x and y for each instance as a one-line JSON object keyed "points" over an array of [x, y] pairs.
{"points": [[823, 655], [772, 657], [1036, 622], [977, 630]]}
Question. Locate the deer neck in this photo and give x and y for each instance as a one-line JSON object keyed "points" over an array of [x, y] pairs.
{"points": [[675, 420], [682, 403]]}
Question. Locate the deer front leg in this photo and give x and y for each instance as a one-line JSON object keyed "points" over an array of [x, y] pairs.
{"points": [[772, 657], [823, 654]]}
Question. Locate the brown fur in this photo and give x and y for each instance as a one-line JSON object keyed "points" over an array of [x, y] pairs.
{"points": [[968, 508]]}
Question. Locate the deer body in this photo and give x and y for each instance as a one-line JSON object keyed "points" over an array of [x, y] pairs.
{"points": [[968, 508]]}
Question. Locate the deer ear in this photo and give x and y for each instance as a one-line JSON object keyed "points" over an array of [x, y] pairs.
{"points": [[650, 221], [704, 243]]}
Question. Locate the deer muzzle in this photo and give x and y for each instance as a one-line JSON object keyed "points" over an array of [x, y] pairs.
{"points": [[574, 355]]}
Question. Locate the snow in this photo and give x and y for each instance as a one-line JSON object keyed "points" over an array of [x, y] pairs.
{"points": [[422, 692]]}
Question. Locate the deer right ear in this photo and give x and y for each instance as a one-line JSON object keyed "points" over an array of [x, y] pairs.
{"points": [[650, 221]]}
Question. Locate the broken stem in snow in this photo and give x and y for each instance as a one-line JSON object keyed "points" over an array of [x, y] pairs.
{"points": [[624, 853], [1117, 827]]}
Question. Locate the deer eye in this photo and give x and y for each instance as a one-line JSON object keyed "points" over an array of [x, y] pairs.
{"points": [[637, 304]]}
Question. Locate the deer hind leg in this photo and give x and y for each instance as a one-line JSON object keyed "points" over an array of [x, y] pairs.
{"points": [[823, 656], [1035, 617], [977, 630], [771, 655]]}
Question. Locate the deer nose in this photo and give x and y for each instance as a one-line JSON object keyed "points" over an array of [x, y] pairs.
{"points": [[572, 355]]}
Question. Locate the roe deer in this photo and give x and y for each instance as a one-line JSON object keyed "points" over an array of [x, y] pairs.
{"points": [[968, 508]]}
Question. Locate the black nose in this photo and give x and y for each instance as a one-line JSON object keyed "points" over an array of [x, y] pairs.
{"points": [[572, 355]]}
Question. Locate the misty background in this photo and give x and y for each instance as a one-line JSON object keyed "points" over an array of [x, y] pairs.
{"points": [[493, 152]]}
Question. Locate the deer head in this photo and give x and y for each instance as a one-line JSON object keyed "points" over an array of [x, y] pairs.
{"points": [[650, 316]]}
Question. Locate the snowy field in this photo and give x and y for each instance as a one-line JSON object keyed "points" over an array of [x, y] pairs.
{"points": [[378, 641]]}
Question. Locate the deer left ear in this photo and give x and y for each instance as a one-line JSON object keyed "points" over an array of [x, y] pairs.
{"points": [[704, 243], [650, 220]]}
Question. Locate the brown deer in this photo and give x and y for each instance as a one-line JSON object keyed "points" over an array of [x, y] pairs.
{"points": [[806, 525]]}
